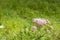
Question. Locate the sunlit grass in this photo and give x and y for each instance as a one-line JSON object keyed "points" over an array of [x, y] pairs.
{"points": [[17, 15]]}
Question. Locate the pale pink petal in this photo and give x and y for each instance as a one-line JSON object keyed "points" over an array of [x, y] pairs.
{"points": [[34, 28], [41, 22]]}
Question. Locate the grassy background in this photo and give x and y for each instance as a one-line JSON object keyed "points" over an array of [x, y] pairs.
{"points": [[16, 15]]}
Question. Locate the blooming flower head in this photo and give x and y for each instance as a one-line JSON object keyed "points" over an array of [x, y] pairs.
{"points": [[41, 22], [34, 28]]}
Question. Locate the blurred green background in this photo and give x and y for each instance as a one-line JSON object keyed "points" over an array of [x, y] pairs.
{"points": [[16, 15]]}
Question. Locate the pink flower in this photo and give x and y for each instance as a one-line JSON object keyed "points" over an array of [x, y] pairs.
{"points": [[41, 22], [34, 28]]}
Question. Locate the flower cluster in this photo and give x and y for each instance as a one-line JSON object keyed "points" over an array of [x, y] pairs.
{"points": [[41, 22]]}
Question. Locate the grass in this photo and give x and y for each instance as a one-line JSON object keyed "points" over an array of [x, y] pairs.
{"points": [[16, 15]]}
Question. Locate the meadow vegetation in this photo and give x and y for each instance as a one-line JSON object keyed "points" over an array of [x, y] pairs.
{"points": [[16, 16]]}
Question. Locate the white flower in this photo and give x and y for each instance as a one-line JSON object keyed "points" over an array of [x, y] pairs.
{"points": [[48, 21], [27, 29], [48, 31], [51, 27], [1, 26], [3, 38]]}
